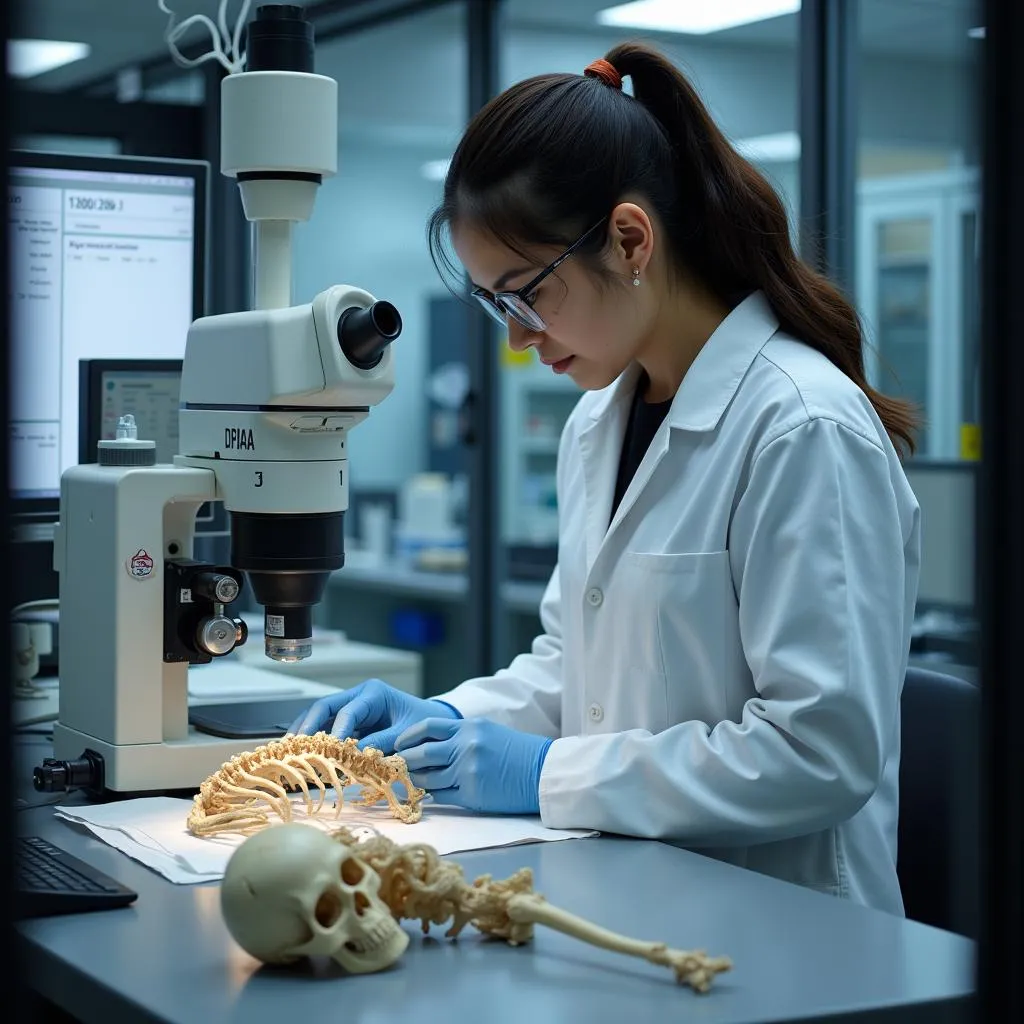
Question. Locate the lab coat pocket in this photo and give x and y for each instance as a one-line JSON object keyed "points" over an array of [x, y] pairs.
{"points": [[690, 597]]}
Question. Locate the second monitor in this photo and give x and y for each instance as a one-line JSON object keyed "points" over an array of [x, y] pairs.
{"points": [[149, 389]]}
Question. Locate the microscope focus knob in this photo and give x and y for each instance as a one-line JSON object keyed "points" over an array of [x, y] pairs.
{"points": [[216, 586], [219, 635]]}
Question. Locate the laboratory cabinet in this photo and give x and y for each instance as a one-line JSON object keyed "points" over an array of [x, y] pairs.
{"points": [[535, 406], [916, 283]]}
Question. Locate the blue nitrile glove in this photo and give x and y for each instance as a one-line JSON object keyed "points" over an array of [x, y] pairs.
{"points": [[475, 763], [372, 712]]}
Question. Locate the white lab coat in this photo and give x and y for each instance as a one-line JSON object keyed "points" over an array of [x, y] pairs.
{"points": [[722, 665]]}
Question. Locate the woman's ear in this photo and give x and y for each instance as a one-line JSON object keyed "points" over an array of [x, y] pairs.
{"points": [[632, 238]]}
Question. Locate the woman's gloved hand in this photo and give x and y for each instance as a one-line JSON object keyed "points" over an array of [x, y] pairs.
{"points": [[475, 763], [373, 712]]}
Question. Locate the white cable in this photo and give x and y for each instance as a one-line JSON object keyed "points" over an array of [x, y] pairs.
{"points": [[236, 39], [232, 39], [225, 43]]}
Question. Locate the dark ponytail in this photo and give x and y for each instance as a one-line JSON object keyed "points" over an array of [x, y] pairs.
{"points": [[555, 153]]}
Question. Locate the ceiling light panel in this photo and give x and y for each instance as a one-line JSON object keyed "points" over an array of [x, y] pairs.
{"points": [[694, 17]]}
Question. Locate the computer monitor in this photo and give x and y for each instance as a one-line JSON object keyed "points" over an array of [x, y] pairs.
{"points": [[945, 492], [107, 261], [149, 389]]}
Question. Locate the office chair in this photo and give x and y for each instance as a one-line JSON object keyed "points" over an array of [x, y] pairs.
{"points": [[939, 822]]}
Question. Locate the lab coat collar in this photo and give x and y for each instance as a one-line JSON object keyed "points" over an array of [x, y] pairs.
{"points": [[714, 375]]}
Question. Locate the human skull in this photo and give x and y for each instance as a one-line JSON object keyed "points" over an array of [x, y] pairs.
{"points": [[291, 891]]}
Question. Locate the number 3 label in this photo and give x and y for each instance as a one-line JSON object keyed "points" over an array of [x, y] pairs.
{"points": [[259, 478]]}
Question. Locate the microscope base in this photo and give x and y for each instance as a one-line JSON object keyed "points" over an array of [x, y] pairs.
{"points": [[153, 767]]}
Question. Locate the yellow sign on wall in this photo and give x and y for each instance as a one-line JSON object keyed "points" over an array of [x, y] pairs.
{"points": [[970, 441], [515, 360]]}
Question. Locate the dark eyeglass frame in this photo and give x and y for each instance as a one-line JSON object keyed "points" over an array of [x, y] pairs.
{"points": [[495, 302]]}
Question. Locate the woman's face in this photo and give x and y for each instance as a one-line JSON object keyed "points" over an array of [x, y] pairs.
{"points": [[593, 333]]}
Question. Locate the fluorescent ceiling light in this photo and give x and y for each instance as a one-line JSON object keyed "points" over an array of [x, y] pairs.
{"points": [[977, 33], [696, 17], [780, 147], [435, 170], [29, 57]]}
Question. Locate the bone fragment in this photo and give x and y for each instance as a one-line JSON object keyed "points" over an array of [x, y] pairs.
{"points": [[691, 967]]}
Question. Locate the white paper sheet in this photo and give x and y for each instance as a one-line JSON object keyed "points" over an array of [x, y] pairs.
{"points": [[152, 830]]}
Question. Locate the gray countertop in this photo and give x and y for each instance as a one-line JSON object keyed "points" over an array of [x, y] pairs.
{"points": [[444, 587], [798, 955]]}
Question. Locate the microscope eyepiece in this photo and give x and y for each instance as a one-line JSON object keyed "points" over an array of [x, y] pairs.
{"points": [[364, 333]]}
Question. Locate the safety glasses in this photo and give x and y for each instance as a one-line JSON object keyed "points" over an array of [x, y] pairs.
{"points": [[519, 304]]}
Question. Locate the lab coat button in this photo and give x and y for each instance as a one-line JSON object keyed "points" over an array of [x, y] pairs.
{"points": [[596, 712], [594, 596]]}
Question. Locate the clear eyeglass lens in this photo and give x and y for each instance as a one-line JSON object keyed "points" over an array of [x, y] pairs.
{"points": [[491, 309], [523, 312], [504, 306]]}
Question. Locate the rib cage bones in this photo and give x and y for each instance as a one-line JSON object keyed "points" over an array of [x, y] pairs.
{"points": [[243, 794]]}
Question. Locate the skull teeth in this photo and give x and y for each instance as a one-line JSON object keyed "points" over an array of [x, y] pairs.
{"points": [[372, 938]]}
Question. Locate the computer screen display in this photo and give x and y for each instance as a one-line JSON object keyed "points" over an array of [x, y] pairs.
{"points": [[107, 261], [150, 390], [945, 492]]}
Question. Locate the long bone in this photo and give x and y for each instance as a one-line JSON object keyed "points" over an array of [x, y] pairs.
{"points": [[416, 884]]}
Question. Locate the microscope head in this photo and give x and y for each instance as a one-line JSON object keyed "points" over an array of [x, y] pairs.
{"points": [[268, 395], [288, 555]]}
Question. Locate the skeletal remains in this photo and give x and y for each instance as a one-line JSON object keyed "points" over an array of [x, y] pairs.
{"points": [[293, 890], [245, 791]]}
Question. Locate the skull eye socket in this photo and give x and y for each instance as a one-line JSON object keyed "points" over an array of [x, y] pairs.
{"points": [[328, 909], [351, 871]]}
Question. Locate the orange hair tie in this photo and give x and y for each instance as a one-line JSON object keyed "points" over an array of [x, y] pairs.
{"points": [[604, 70]]}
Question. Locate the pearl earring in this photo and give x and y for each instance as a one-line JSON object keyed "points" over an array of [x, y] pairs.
{"points": [[636, 277]]}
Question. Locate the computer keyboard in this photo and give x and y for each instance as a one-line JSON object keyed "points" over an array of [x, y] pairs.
{"points": [[50, 881]]}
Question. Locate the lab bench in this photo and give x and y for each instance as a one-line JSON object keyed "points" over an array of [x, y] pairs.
{"points": [[337, 661], [362, 599], [797, 954], [401, 581], [247, 674]]}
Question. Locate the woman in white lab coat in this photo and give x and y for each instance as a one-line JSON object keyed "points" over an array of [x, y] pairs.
{"points": [[726, 632]]}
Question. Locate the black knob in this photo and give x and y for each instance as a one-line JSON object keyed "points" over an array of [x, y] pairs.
{"points": [[364, 333], [280, 39], [53, 775], [216, 586]]}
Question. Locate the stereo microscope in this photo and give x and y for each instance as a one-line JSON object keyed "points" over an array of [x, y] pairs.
{"points": [[268, 396]]}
